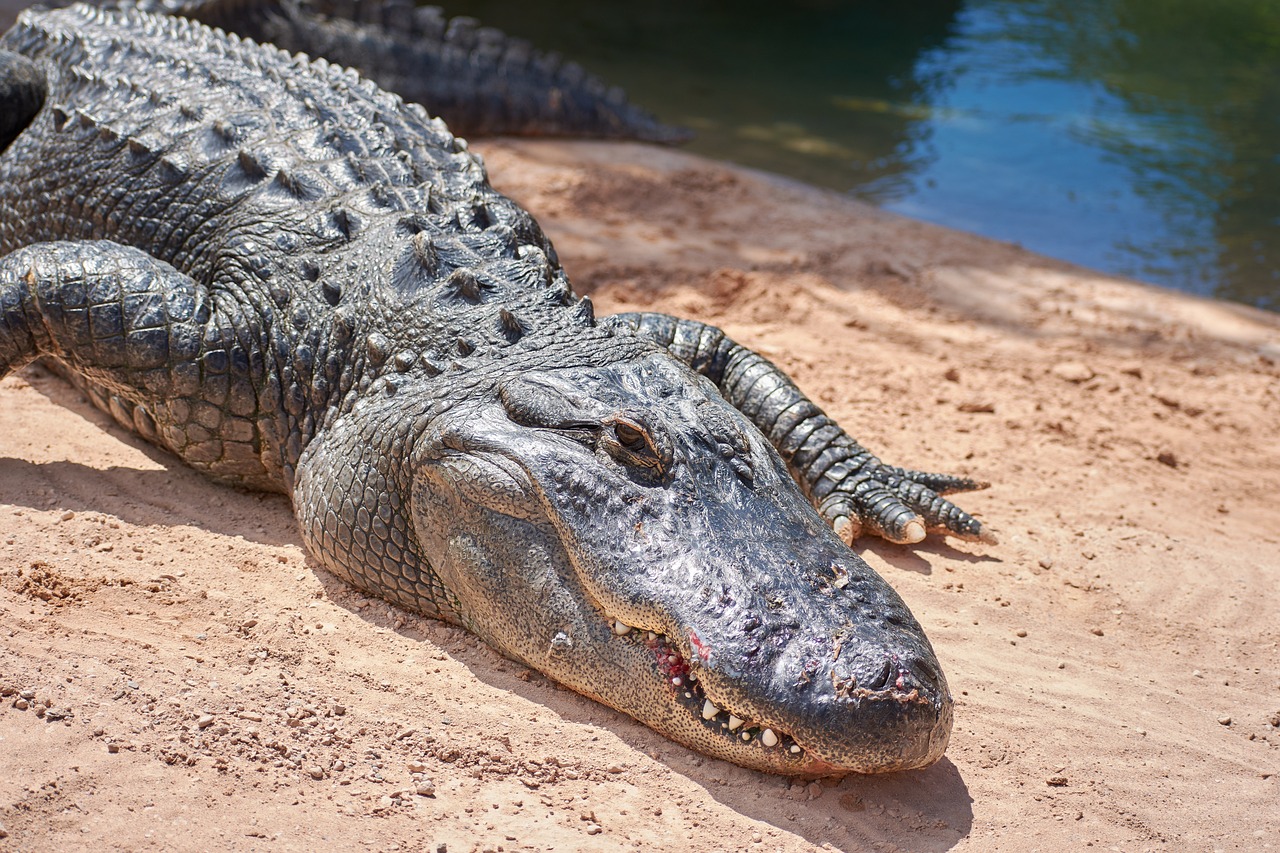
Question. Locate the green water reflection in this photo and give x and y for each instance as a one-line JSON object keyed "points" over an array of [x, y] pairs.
{"points": [[1135, 136]]}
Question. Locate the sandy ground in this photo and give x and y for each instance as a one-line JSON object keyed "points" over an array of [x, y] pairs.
{"points": [[176, 674]]}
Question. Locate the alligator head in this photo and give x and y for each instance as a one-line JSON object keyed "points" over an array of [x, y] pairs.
{"points": [[627, 532]]}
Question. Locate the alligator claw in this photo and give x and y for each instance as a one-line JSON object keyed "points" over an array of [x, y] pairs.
{"points": [[902, 506], [943, 484]]}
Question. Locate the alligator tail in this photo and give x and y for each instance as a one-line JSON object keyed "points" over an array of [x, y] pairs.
{"points": [[481, 81]]}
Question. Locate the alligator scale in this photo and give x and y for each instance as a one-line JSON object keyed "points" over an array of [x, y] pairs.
{"points": [[299, 283]]}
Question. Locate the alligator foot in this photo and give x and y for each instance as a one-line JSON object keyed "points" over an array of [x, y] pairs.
{"points": [[896, 504]]}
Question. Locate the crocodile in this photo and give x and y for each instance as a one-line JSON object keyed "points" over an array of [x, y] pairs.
{"points": [[481, 81], [298, 282]]}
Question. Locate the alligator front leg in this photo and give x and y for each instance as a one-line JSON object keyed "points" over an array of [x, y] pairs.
{"points": [[850, 487], [151, 346]]}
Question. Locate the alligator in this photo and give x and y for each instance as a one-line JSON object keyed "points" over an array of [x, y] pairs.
{"points": [[298, 282], [481, 81]]}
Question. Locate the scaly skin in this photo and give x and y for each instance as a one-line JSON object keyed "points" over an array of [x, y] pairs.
{"points": [[479, 80], [296, 282]]}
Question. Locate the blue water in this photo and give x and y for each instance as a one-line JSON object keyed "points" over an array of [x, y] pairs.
{"points": [[1019, 145], [1141, 137]]}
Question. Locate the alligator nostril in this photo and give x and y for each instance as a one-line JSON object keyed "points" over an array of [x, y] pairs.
{"points": [[881, 679], [926, 672]]}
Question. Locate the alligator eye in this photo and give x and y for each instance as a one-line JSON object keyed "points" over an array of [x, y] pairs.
{"points": [[630, 437], [637, 446]]}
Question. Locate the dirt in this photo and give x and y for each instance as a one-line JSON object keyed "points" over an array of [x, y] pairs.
{"points": [[176, 674]]}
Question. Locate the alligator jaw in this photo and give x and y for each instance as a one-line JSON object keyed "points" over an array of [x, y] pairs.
{"points": [[759, 743], [677, 670]]}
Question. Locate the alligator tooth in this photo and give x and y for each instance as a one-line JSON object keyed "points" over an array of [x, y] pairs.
{"points": [[734, 722], [678, 681], [795, 749], [693, 676], [768, 738], [746, 735], [709, 710], [619, 628], [650, 636]]}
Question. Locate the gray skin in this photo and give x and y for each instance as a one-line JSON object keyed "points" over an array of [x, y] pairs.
{"points": [[481, 81], [298, 283]]}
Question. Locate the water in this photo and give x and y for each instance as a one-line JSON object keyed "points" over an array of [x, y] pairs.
{"points": [[1138, 137]]}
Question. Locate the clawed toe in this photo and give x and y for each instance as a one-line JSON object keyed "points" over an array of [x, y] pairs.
{"points": [[902, 506]]}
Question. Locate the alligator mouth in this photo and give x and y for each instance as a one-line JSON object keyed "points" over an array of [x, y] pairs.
{"points": [[681, 675]]}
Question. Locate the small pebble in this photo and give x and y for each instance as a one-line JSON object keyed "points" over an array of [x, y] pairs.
{"points": [[68, 515], [1021, 632], [1224, 721], [1073, 371], [113, 748], [316, 772], [1097, 632], [21, 704], [426, 788], [416, 767], [205, 721]]}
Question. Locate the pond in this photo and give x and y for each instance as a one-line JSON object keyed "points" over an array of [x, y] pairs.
{"points": [[1137, 137]]}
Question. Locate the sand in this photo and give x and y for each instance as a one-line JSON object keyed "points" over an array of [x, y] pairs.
{"points": [[191, 680]]}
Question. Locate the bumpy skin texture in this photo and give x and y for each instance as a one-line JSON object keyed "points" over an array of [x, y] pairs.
{"points": [[296, 282], [481, 81]]}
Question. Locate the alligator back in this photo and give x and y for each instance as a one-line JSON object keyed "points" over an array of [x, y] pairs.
{"points": [[218, 156]]}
